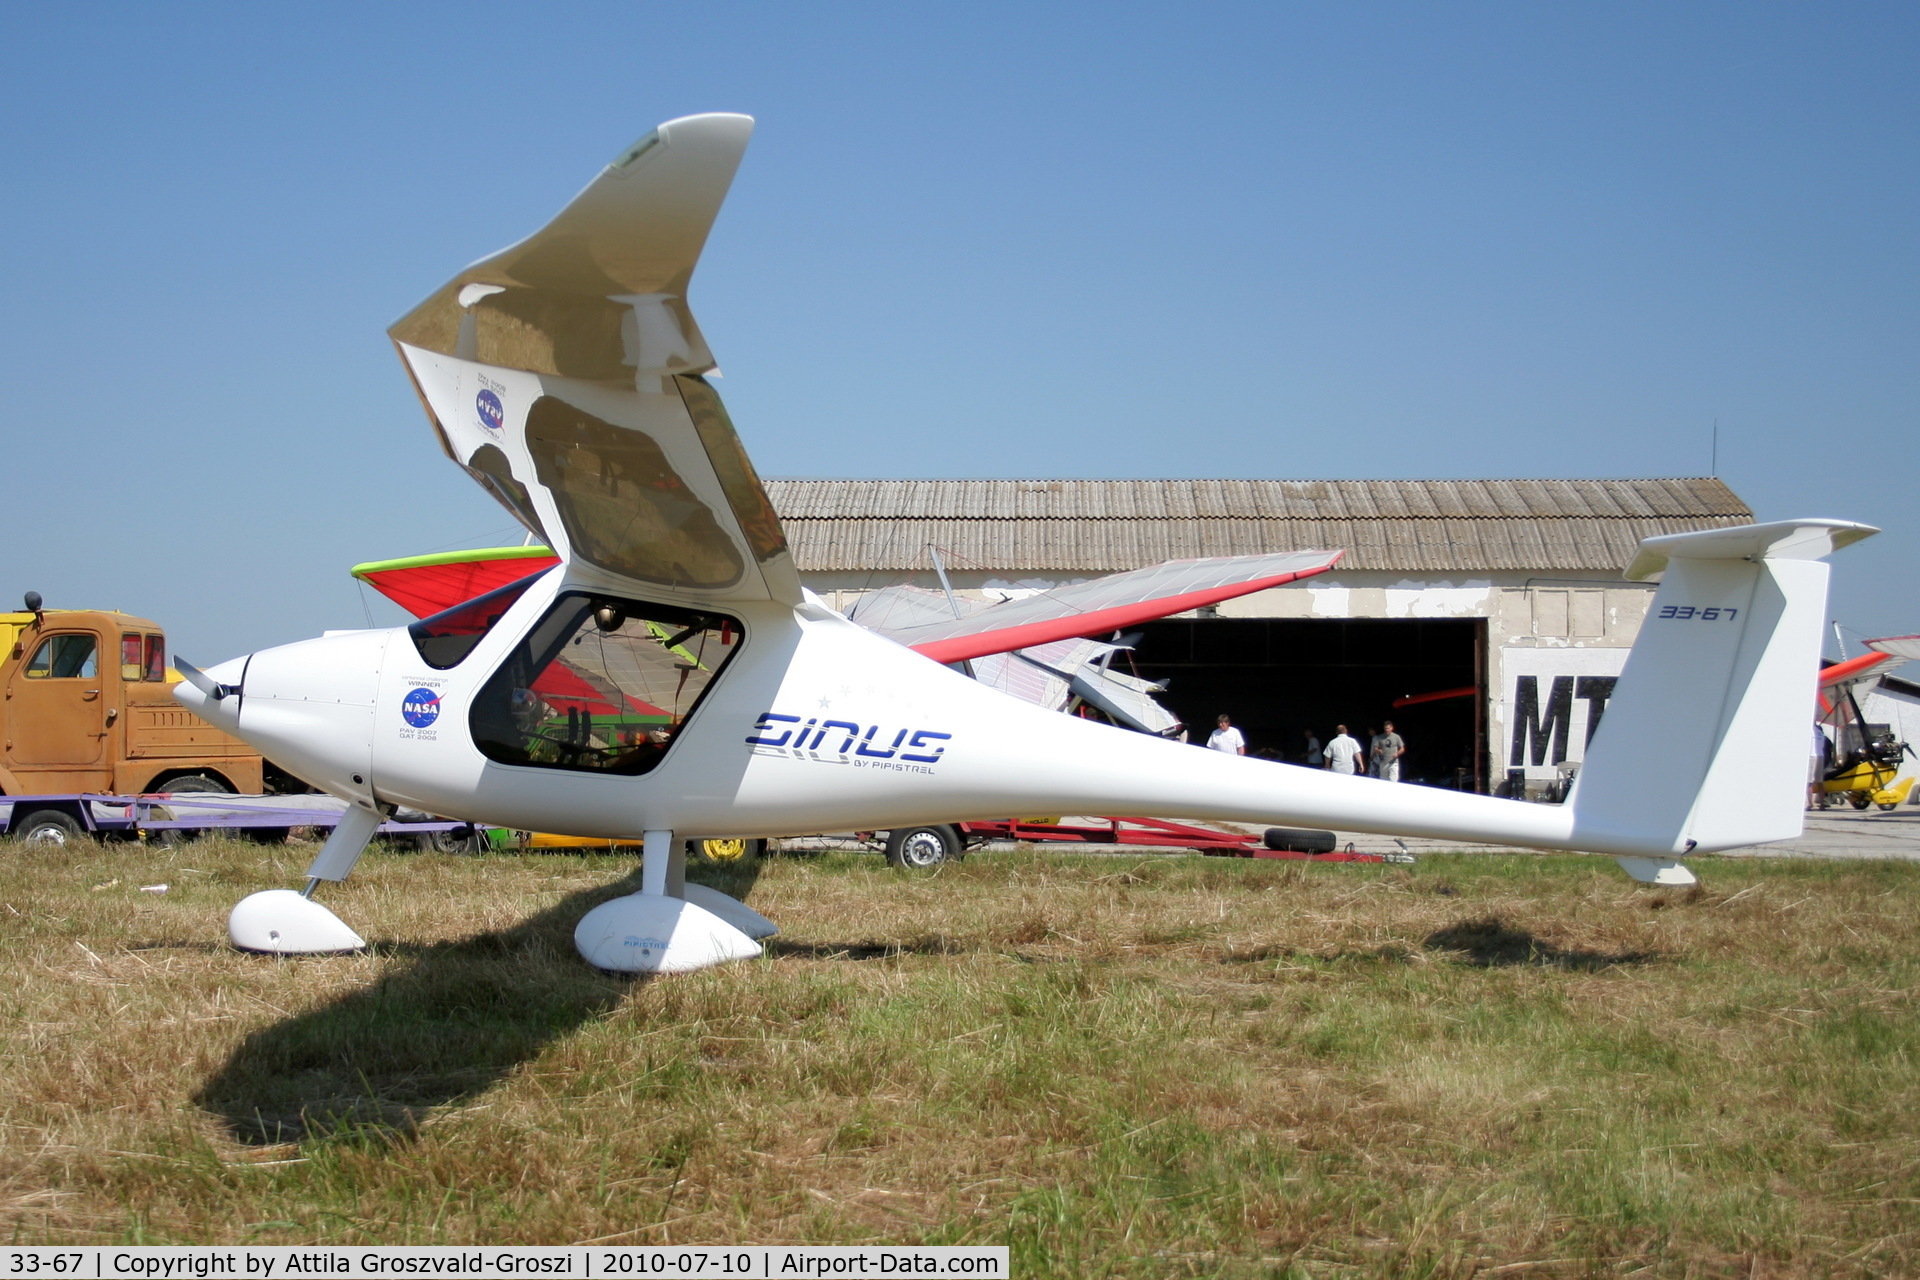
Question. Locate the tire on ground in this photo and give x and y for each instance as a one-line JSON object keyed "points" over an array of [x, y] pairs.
{"points": [[1299, 840], [192, 784], [922, 848], [455, 842], [721, 852], [48, 826]]}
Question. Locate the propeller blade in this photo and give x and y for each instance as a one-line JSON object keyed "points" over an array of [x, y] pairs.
{"points": [[201, 680]]}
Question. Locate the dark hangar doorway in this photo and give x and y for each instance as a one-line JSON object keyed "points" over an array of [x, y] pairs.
{"points": [[1279, 676]]}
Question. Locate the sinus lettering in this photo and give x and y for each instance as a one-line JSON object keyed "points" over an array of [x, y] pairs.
{"points": [[849, 742]]}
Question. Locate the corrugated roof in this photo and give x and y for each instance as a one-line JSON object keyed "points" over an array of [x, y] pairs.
{"points": [[1107, 525]]}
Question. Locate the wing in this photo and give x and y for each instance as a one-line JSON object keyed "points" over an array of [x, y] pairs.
{"points": [[1105, 604], [1902, 647], [566, 375], [1881, 657], [424, 585]]}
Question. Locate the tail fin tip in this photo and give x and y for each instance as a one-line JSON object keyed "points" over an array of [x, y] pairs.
{"points": [[1808, 539]]}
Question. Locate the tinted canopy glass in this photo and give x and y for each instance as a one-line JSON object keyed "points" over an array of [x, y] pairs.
{"points": [[601, 684], [445, 639]]}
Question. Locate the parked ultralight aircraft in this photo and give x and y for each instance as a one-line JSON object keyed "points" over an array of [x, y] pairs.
{"points": [[566, 375], [1864, 760]]}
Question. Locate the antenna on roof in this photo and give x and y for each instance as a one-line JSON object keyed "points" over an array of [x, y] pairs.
{"points": [[1713, 467]]}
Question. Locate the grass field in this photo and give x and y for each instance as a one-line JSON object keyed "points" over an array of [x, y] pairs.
{"points": [[1142, 1067]]}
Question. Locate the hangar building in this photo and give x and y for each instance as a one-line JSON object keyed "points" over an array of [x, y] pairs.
{"points": [[1497, 606]]}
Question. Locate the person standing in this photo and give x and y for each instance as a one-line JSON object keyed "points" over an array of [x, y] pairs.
{"points": [[1819, 761], [1316, 759], [1227, 738], [1343, 753], [1384, 754]]}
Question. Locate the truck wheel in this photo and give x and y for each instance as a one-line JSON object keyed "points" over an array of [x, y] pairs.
{"points": [[726, 851], [922, 848], [193, 784], [48, 826]]}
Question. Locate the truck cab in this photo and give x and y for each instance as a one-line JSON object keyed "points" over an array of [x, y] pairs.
{"points": [[86, 704]]}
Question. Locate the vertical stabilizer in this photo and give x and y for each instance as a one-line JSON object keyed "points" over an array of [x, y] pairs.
{"points": [[1705, 745]]}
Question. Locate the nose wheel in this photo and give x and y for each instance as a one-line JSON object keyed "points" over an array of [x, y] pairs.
{"points": [[285, 923]]}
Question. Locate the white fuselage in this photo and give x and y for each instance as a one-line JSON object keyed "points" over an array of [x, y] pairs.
{"points": [[816, 725]]}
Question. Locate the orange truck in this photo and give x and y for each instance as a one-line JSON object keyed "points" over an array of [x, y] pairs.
{"points": [[88, 707]]}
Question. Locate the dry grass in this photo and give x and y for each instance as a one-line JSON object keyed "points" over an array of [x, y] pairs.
{"points": [[1477, 1066]]}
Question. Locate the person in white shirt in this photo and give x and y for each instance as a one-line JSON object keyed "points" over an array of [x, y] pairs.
{"points": [[1343, 753], [1227, 738]]}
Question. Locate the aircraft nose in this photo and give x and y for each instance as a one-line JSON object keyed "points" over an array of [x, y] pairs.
{"points": [[224, 712], [309, 707]]}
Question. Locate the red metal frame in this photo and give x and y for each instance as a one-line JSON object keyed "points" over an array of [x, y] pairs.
{"points": [[1155, 832]]}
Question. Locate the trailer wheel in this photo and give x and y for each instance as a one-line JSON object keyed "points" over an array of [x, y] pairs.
{"points": [[922, 848], [48, 826], [192, 784], [1299, 840]]}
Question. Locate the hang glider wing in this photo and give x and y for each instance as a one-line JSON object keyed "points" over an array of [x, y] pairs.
{"points": [[1104, 604], [567, 376], [1881, 657], [424, 585], [1054, 675], [1903, 647]]}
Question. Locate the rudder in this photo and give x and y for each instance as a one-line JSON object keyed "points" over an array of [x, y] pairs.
{"points": [[1704, 746]]}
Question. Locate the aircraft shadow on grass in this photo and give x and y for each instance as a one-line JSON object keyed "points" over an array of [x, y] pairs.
{"points": [[1490, 942], [443, 1024]]}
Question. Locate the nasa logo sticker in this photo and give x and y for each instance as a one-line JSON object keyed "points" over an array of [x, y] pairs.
{"points": [[420, 708], [493, 414]]}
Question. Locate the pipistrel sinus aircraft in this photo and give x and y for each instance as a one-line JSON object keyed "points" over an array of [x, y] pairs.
{"points": [[567, 376]]}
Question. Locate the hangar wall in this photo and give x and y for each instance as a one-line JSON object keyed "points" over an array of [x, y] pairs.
{"points": [[1531, 567]]}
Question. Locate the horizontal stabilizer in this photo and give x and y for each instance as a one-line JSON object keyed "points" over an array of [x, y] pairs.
{"points": [[1780, 540], [1704, 745]]}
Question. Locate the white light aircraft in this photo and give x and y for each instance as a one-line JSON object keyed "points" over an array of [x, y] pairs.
{"points": [[566, 375]]}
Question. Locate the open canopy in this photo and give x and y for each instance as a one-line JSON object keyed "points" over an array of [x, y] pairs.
{"points": [[566, 375]]}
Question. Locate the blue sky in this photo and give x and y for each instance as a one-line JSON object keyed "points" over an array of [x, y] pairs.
{"points": [[969, 240]]}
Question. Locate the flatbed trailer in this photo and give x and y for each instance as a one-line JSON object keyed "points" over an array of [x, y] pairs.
{"points": [[929, 845], [58, 818], [1155, 833]]}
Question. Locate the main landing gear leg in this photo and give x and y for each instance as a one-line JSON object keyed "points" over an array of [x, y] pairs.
{"points": [[657, 931], [283, 922]]}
